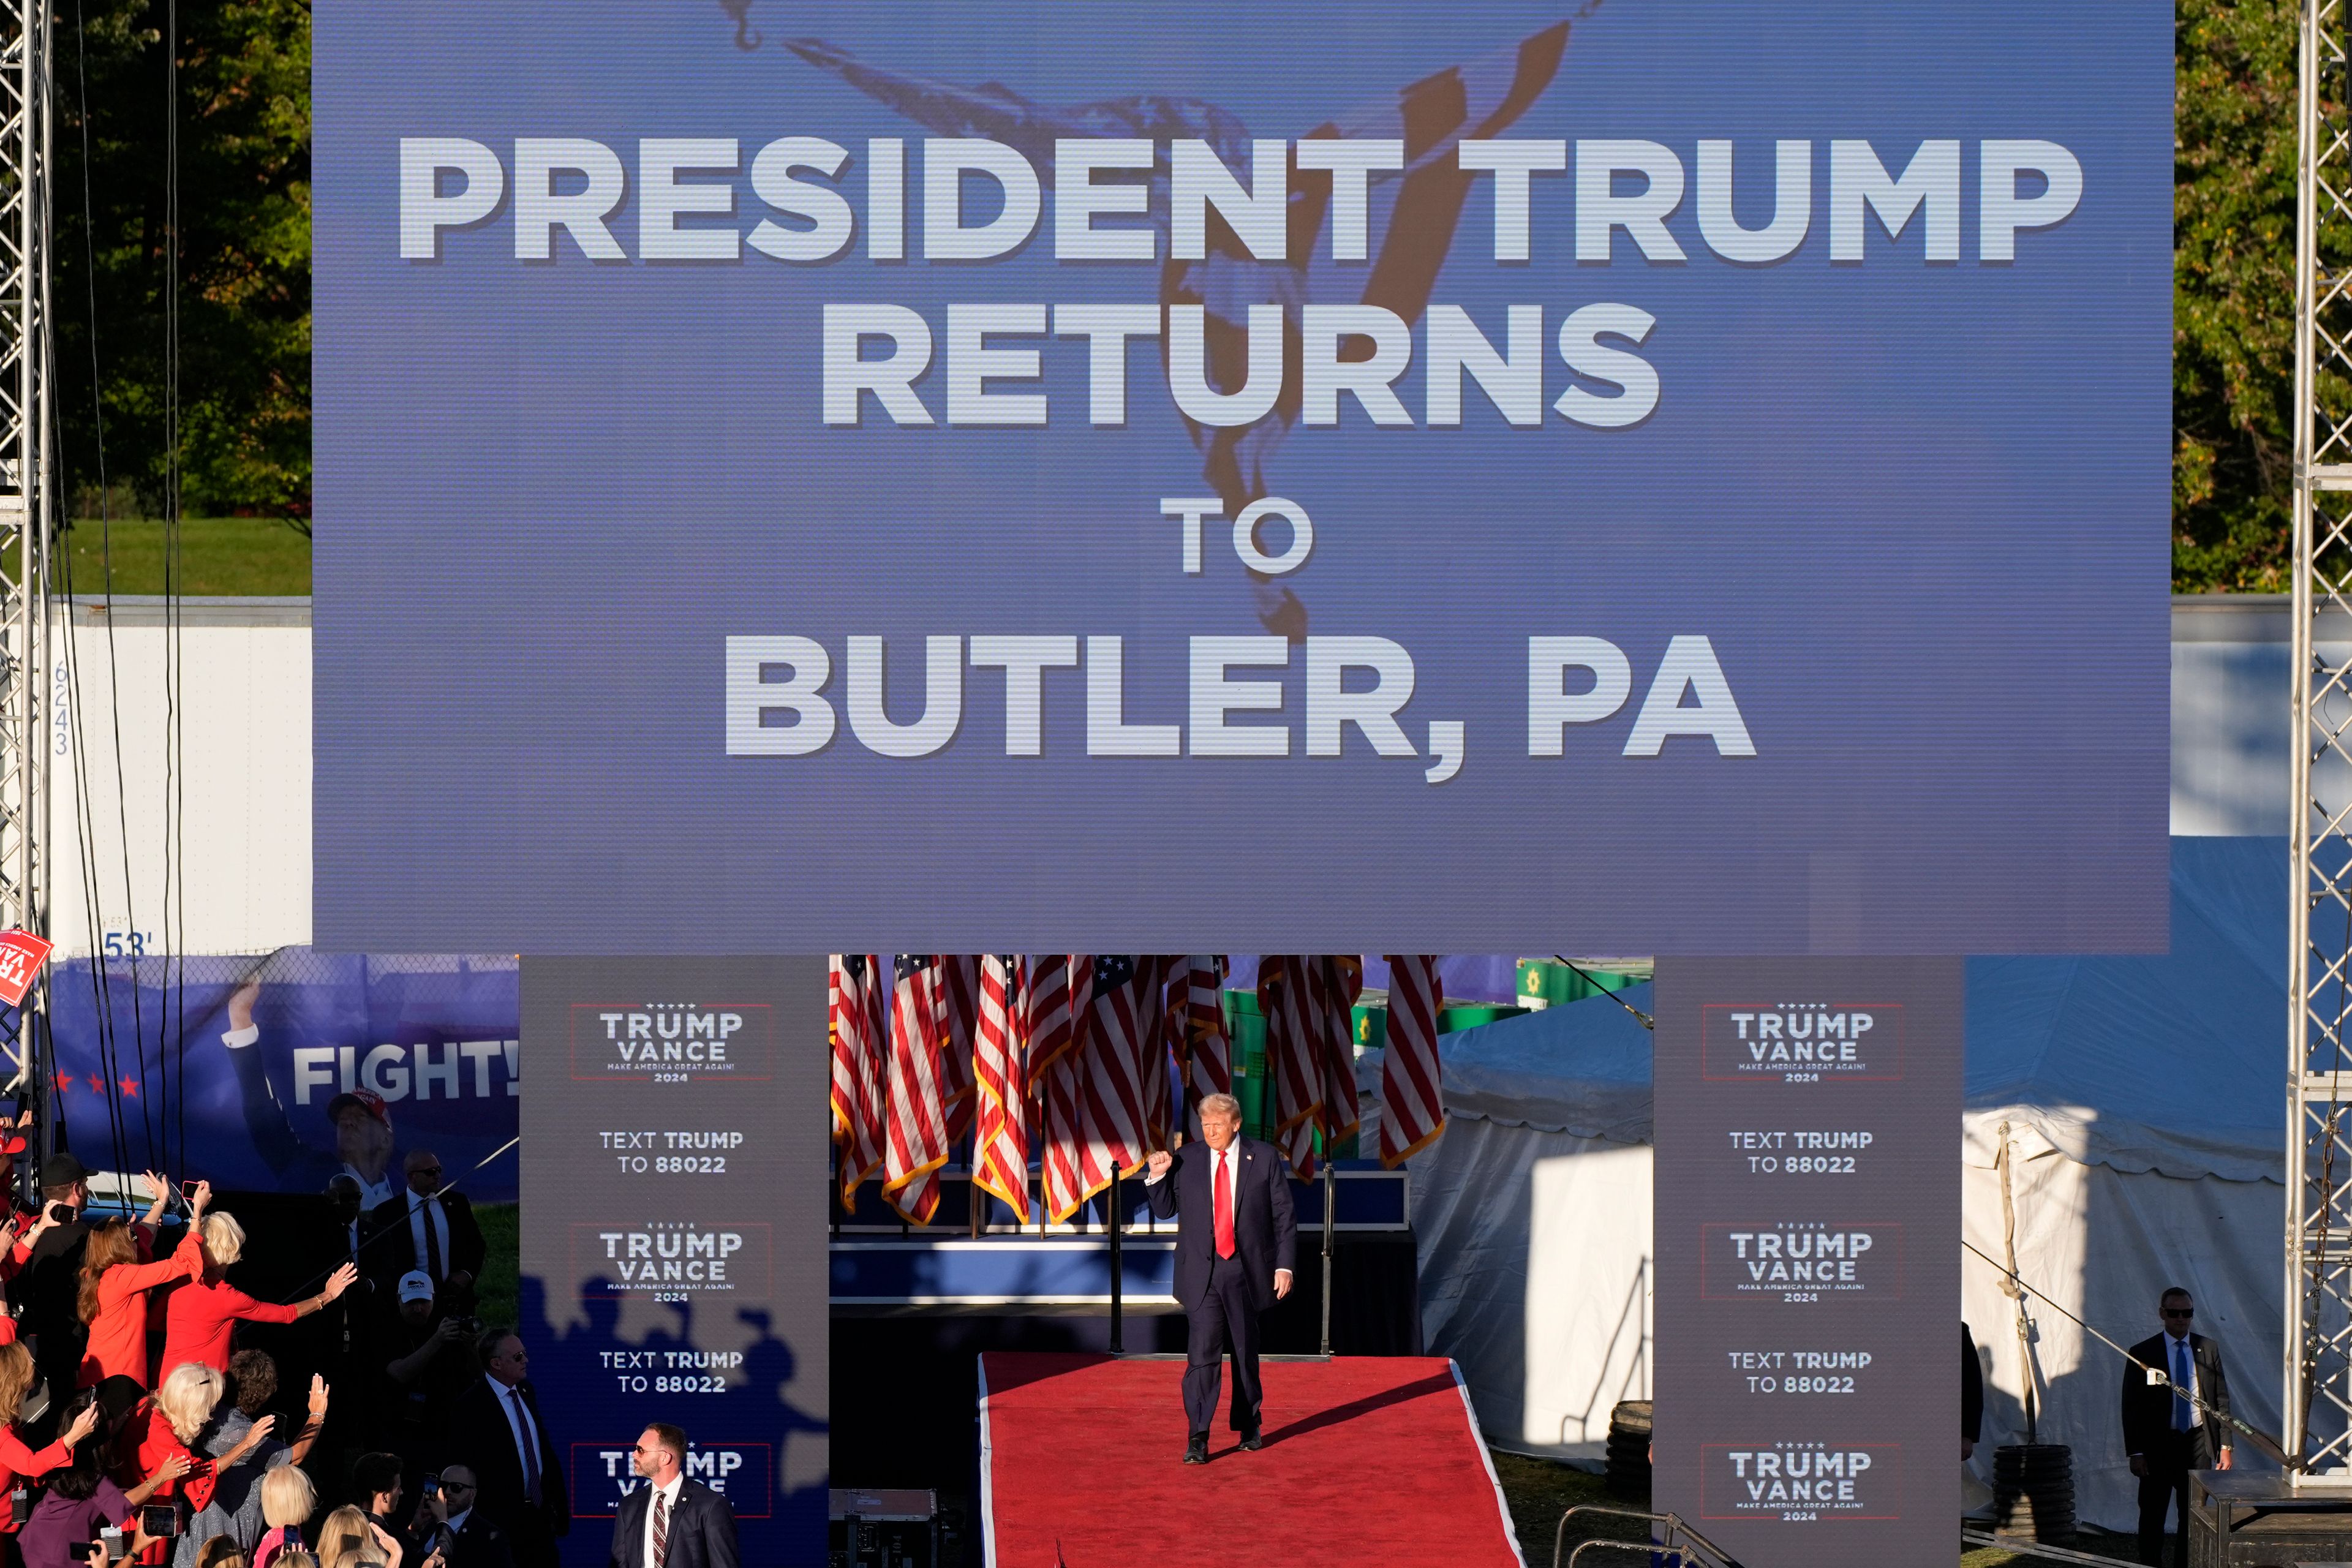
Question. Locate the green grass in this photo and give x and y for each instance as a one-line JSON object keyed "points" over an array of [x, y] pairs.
{"points": [[1540, 1490], [233, 556], [498, 1290]]}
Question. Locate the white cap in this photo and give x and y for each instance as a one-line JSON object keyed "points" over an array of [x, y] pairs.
{"points": [[415, 1286]]}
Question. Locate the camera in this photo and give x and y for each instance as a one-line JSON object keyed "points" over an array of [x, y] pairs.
{"points": [[160, 1519], [431, 1485], [471, 1327], [62, 1213]]}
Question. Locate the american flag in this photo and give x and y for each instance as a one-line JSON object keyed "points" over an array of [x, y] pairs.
{"points": [[1282, 981], [855, 1010], [1472, 100], [958, 994], [1308, 1004], [1343, 976], [1053, 1075], [1120, 1095], [1196, 1026], [1000, 1143], [917, 1122], [1413, 1112]]}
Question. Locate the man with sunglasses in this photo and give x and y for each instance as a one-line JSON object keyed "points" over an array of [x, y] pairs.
{"points": [[465, 1538], [431, 1231], [2175, 1413]]}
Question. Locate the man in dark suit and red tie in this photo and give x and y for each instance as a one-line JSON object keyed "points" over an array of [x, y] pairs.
{"points": [[2175, 1423], [1236, 1240], [671, 1522]]}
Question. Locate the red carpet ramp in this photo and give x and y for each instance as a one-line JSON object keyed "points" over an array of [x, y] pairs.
{"points": [[1370, 1459]]}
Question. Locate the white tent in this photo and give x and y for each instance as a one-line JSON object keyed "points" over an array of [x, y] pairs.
{"points": [[2144, 1099]]}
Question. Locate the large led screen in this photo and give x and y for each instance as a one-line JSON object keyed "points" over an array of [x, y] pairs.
{"points": [[1691, 475]]}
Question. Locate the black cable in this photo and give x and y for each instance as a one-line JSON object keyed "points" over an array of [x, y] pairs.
{"points": [[1646, 1021], [2269, 1444], [86, 842], [172, 1005], [320, 1278]]}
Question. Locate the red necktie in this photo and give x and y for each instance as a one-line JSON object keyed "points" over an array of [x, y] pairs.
{"points": [[661, 1529], [1224, 1210]]}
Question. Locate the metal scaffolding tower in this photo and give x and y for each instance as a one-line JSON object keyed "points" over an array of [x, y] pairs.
{"points": [[27, 509]]}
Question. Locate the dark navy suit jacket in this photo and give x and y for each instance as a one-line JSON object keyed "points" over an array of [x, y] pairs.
{"points": [[702, 1531], [1266, 1233]]}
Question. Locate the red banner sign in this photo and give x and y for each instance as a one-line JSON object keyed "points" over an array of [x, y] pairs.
{"points": [[21, 956]]}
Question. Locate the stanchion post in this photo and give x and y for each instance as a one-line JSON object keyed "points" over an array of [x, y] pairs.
{"points": [[1117, 1335], [1331, 1217]]}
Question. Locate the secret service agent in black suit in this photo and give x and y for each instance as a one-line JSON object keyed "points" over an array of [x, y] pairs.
{"points": [[2167, 1433], [522, 1489], [451, 1252], [670, 1521], [1234, 1259]]}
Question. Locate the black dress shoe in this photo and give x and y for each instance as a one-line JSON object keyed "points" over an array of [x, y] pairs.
{"points": [[1196, 1450], [1252, 1441]]}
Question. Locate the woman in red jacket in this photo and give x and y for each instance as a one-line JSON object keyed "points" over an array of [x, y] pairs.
{"points": [[114, 1286], [204, 1312], [180, 1408], [16, 1458]]}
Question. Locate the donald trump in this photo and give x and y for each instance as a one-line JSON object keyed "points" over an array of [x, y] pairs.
{"points": [[1235, 1242]]}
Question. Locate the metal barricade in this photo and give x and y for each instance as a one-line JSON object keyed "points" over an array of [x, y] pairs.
{"points": [[1670, 1535]]}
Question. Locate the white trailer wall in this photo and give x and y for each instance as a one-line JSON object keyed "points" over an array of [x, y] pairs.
{"points": [[241, 866]]}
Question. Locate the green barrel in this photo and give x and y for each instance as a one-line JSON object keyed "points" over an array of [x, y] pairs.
{"points": [[1546, 982]]}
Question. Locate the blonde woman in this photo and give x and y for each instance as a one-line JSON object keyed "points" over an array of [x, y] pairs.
{"points": [[179, 1409], [206, 1311], [221, 1551], [16, 1458], [287, 1501], [349, 1540]]}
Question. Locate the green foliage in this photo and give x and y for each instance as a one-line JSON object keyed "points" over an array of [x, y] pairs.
{"points": [[2234, 294], [244, 115], [498, 1290]]}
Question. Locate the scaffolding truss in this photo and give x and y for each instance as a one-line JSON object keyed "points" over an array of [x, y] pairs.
{"points": [[26, 511], [2318, 1296]]}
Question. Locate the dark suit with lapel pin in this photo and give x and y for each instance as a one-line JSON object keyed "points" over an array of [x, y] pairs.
{"points": [[1224, 1296], [701, 1533]]}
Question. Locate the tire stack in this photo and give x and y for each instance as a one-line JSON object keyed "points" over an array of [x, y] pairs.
{"points": [[1629, 1449], [2034, 1492]]}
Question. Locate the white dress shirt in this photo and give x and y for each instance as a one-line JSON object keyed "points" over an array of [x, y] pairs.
{"points": [[525, 1432], [1233, 1181], [669, 1492], [373, 1193], [424, 1211]]}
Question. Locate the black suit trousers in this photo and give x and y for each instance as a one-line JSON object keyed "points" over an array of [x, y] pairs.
{"points": [[1224, 1322], [2169, 1457]]}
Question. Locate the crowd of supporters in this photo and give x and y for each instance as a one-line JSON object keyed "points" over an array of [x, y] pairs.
{"points": [[160, 1405]]}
